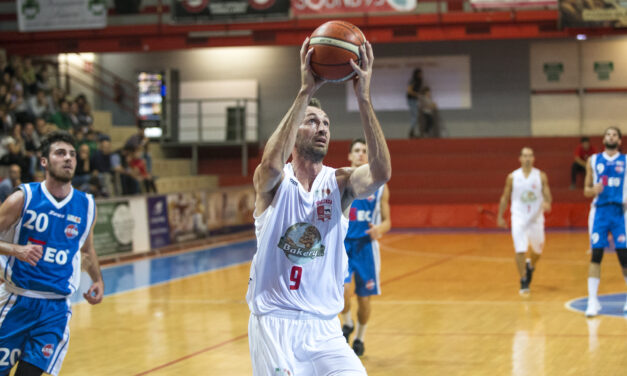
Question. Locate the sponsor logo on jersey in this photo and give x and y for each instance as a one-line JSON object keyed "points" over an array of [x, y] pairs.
{"points": [[73, 218], [55, 214], [47, 350], [321, 193], [619, 169], [620, 239], [528, 196], [370, 198], [71, 231], [370, 284], [301, 243], [294, 182], [323, 209]]}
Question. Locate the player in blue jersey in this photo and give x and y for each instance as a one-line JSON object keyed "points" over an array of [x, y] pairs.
{"points": [[369, 220], [605, 181], [45, 225]]}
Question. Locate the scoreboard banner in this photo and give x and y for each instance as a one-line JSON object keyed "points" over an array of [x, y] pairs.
{"points": [[593, 14], [517, 4], [220, 10], [306, 7], [47, 15]]}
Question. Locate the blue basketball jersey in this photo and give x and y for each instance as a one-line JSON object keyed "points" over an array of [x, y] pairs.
{"points": [[364, 212], [611, 173], [61, 228]]}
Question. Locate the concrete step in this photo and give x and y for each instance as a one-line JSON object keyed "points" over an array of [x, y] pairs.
{"points": [[172, 184], [171, 167]]}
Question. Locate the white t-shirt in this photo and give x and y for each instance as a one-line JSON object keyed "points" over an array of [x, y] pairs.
{"points": [[301, 263], [527, 196]]}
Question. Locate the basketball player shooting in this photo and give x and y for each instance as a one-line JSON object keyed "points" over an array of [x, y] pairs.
{"points": [[297, 276]]}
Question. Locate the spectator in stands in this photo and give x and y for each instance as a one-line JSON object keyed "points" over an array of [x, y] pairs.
{"points": [[15, 155], [93, 187], [413, 93], [83, 167], [137, 140], [31, 146], [56, 97], [6, 120], [42, 80], [138, 164], [5, 96], [42, 127], [9, 184], [40, 105], [101, 165], [583, 151], [20, 108], [28, 77], [128, 182], [428, 114], [62, 118], [84, 111]]}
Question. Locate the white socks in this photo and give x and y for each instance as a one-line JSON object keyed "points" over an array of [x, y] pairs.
{"points": [[593, 287], [346, 319], [361, 331]]}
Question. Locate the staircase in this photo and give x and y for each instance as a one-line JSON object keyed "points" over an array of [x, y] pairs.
{"points": [[173, 174]]}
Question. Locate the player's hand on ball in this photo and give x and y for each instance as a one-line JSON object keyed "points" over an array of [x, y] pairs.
{"points": [[95, 293], [30, 253]]}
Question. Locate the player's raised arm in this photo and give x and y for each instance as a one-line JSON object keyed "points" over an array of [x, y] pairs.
{"points": [[10, 212], [269, 172], [364, 180], [96, 291], [507, 193]]}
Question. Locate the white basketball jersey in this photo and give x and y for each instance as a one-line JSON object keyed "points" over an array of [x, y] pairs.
{"points": [[301, 262], [527, 196]]}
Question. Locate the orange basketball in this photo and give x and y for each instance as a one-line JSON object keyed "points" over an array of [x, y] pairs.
{"points": [[335, 43]]}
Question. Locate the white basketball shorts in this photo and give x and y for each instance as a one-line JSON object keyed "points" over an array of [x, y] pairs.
{"points": [[304, 346], [525, 234]]}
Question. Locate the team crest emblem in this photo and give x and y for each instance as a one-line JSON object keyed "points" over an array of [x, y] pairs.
{"points": [[71, 231], [619, 169], [47, 350], [302, 243], [370, 284], [323, 209]]}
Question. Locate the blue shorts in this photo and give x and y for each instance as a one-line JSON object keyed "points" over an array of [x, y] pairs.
{"points": [[603, 220], [36, 331], [365, 262]]}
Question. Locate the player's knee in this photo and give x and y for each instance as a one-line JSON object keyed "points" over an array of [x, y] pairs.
{"points": [[622, 256], [597, 255]]}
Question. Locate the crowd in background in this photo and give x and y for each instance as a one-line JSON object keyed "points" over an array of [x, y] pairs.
{"points": [[32, 104]]}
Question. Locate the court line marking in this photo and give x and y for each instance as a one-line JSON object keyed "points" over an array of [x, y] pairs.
{"points": [[213, 347]]}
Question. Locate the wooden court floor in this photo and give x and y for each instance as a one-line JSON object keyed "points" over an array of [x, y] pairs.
{"points": [[450, 306]]}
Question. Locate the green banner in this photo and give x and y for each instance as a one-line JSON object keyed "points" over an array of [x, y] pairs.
{"points": [[113, 232], [603, 69], [553, 71]]}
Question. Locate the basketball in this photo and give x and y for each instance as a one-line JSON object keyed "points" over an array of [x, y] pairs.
{"points": [[335, 43]]}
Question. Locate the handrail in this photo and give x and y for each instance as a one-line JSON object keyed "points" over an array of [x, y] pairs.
{"points": [[101, 93], [116, 77]]}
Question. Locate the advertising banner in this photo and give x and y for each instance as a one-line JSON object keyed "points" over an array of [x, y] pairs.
{"points": [[47, 15], [514, 4], [230, 210], [220, 10], [574, 13], [113, 232], [305, 7], [187, 216], [158, 224]]}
